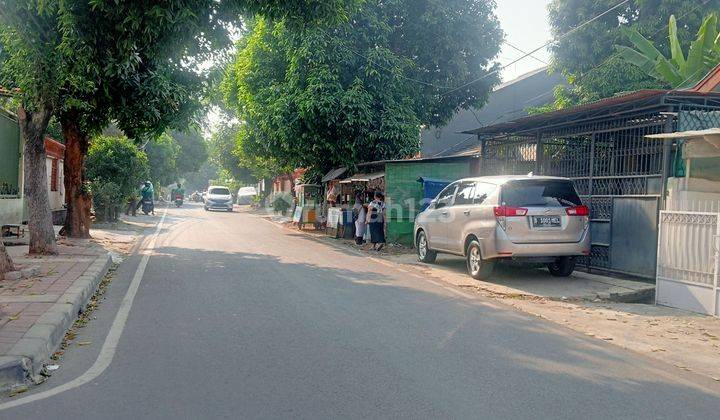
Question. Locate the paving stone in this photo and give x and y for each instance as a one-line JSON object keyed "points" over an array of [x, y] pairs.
{"points": [[13, 275]]}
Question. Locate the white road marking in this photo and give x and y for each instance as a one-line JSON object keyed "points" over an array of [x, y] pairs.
{"points": [[107, 352]]}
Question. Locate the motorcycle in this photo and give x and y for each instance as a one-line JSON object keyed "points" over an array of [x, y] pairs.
{"points": [[178, 200], [147, 205]]}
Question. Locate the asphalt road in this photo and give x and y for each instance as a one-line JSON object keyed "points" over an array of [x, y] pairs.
{"points": [[238, 318]]}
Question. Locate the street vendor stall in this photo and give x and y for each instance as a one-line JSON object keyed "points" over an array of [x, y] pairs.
{"points": [[308, 203], [363, 185], [335, 206]]}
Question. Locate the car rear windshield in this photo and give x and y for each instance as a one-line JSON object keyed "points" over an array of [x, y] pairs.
{"points": [[540, 193], [219, 191]]}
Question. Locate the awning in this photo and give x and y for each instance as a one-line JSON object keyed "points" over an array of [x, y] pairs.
{"points": [[333, 174], [363, 177], [699, 143]]}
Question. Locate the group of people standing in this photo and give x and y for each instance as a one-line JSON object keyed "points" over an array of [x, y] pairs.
{"points": [[370, 216]]}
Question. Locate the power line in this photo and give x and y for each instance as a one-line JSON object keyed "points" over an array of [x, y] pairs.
{"points": [[525, 55], [560, 38], [518, 49], [606, 61]]}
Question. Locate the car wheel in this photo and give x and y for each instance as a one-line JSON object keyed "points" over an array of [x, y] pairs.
{"points": [[478, 268], [206, 209], [424, 253], [562, 267], [230, 209]]}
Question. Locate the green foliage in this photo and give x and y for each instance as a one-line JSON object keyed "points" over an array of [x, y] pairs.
{"points": [[679, 70], [225, 156], [322, 97], [133, 62], [588, 58], [115, 168], [163, 154], [193, 151], [198, 181]]}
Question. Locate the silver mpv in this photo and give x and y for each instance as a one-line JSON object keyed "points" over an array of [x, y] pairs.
{"points": [[529, 218]]}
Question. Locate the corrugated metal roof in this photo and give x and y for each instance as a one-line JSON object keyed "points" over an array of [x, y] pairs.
{"points": [[461, 155], [640, 97], [333, 174]]}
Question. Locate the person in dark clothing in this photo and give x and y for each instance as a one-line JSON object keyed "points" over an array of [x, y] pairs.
{"points": [[376, 221]]}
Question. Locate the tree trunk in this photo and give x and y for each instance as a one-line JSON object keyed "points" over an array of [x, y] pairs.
{"points": [[32, 128], [6, 263], [79, 202]]}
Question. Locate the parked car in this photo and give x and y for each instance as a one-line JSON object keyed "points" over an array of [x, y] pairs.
{"points": [[245, 195], [529, 218], [218, 197]]}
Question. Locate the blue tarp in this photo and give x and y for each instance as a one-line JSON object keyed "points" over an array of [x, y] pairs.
{"points": [[431, 188]]}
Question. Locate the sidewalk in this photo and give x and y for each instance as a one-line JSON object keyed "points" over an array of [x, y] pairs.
{"points": [[38, 308], [591, 304]]}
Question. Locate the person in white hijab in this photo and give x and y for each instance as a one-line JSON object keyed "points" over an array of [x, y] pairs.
{"points": [[361, 213]]}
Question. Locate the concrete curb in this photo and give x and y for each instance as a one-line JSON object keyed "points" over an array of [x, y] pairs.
{"points": [[27, 358]]}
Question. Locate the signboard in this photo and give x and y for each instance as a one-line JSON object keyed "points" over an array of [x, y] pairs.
{"points": [[297, 216], [333, 217]]}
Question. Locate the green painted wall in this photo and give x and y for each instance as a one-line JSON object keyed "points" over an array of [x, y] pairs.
{"points": [[404, 194], [9, 151]]}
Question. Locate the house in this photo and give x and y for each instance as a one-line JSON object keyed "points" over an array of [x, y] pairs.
{"points": [[11, 175], [506, 102], [12, 203], [54, 161], [620, 173]]}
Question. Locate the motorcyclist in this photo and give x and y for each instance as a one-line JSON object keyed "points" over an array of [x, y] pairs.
{"points": [[177, 191], [147, 193]]}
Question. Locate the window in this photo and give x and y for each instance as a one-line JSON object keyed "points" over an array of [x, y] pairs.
{"points": [[465, 194], [54, 175], [482, 191], [540, 193], [219, 191], [445, 197]]}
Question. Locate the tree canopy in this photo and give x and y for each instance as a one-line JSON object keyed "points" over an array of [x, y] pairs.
{"points": [[325, 96], [680, 70], [588, 57]]}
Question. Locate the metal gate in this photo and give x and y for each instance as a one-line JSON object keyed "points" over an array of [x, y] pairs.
{"points": [[618, 173], [687, 261]]}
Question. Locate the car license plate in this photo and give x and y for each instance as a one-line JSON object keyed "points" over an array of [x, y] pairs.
{"points": [[546, 221]]}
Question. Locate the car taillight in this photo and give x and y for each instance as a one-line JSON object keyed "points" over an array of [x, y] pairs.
{"points": [[504, 211], [578, 211]]}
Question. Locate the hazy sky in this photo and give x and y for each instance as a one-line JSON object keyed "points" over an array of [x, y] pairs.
{"points": [[526, 26]]}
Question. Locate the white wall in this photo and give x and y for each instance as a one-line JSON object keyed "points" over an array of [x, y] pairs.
{"points": [[693, 194], [11, 211], [57, 198]]}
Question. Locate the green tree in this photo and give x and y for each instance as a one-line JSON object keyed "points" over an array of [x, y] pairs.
{"points": [[163, 154], [321, 97], [680, 70], [115, 168], [193, 151], [588, 58], [32, 67], [92, 62]]}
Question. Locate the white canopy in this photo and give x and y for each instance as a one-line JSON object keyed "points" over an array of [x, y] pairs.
{"points": [[700, 143]]}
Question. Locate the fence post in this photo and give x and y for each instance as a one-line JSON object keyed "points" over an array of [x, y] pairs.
{"points": [[716, 264], [667, 150], [538, 153]]}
